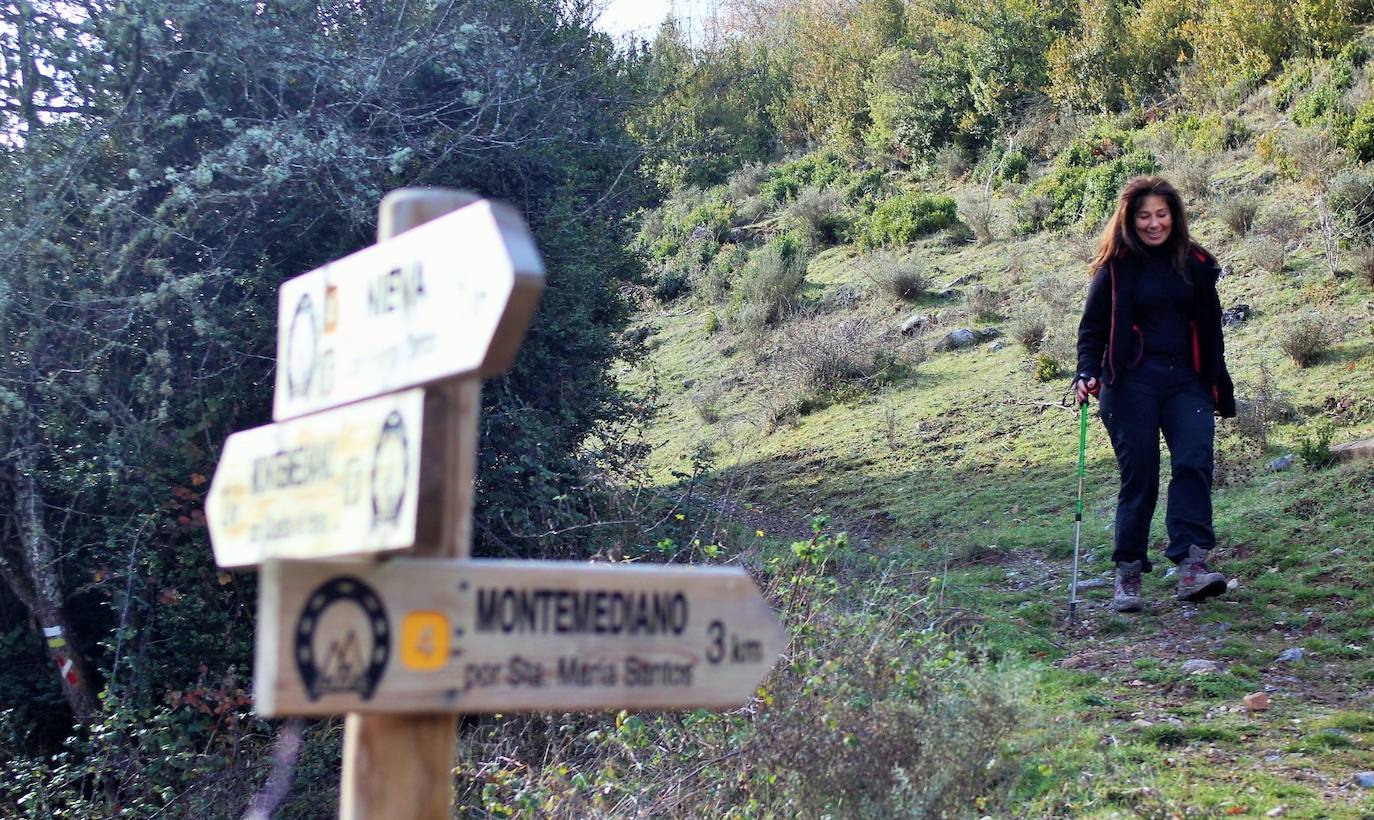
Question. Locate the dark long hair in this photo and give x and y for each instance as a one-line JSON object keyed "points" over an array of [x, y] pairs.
{"points": [[1119, 238]]}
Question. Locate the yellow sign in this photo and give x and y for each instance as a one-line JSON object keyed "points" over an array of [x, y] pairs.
{"points": [[425, 641]]}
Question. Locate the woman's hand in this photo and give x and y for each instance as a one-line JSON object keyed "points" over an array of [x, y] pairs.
{"points": [[1082, 388]]}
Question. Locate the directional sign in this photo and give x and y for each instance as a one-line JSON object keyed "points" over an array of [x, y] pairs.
{"points": [[337, 483], [450, 297], [435, 635]]}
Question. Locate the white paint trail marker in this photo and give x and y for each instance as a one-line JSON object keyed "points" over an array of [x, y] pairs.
{"points": [[424, 635], [449, 298]]}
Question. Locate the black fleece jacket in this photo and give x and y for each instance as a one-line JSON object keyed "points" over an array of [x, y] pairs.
{"points": [[1109, 342]]}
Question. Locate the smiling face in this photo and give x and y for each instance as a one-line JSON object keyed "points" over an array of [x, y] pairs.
{"points": [[1153, 221]]}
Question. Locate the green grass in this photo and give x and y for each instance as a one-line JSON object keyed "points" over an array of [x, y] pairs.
{"points": [[963, 473]]}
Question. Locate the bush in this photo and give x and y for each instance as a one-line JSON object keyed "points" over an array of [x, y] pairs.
{"points": [[983, 302], [898, 277], [1062, 294], [1192, 173], [670, 284], [1260, 406], [771, 280], [1048, 368], [819, 213], [905, 218], [1305, 337], [977, 211], [707, 403], [1351, 197], [1015, 167], [1360, 137], [1266, 253], [1362, 264], [713, 280], [1081, 187], [745, 182], [1315, 449], [1029, 328], [1237, 213], [817, 355], [951, 161], [1322, 105], [785, 182], [1206, 134]]}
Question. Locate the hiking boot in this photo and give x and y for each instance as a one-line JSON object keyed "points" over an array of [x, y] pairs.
{"points": [[1127, 596], [1195, 580]]}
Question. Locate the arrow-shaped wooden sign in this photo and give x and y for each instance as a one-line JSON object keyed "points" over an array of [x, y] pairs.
{"points": [[343, 482], [434, 635], [448, 298]]}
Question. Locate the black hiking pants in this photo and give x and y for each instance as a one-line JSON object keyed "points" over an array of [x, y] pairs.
{"points": [[1161, 394]]}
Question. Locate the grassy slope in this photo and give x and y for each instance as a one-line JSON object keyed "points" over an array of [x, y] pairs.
{"points": [[965, 471]]}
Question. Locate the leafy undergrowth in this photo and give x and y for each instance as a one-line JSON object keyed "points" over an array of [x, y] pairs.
{"points": [[878, 706]]}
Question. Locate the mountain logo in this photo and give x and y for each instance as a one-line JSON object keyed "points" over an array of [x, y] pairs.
{"points": [[343, 639]]}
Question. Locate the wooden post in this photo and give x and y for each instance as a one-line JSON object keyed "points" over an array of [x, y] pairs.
{"points": [[400, 767]]}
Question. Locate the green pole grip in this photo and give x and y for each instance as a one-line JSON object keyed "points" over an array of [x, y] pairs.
{"points": [[1082, 456]]}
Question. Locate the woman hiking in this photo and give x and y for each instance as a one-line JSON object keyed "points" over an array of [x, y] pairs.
{"points": [[1150, 340]]}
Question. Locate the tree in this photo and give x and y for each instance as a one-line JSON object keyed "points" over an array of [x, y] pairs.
{"points": [[169, 162]]}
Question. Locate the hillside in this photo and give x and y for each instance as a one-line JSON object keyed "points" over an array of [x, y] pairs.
{"points": [[954, 470]]}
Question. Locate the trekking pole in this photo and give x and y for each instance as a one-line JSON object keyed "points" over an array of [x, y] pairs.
{"points": [[1078, 505]]}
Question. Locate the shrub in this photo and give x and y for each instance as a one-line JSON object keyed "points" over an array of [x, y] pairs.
{"points": [[1362, 264], [1061, 342], [1062, 294], [1033, 213], [1029, 328], [1048, 368], [1266, 253], [1192, 173], [785, 182], [1295, 78], [670, 284], [713, 280], [1081, 187], [983, 302], [707, 403], [1360, 138], [1015, 167], [905, 218], [1281, 223], [815, 354], [745, 182], [899, 277], [951, 161], [770, 282], [1237, 213], [1207, 134], [819, 213], [977, 211], [1351, 197], [1314, 449], [1305, 337], [1320, 106], [1260, 406]]}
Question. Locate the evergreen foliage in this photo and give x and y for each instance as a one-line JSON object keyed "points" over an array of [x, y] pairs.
{"points": [[167, 164]]}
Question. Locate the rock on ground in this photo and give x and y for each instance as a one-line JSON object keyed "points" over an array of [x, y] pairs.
{"points": [[1200, 666]]}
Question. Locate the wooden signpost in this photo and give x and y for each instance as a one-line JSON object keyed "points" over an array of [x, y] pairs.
{"points": [[404, 645], [341, 482], [502, 636], [447, 298]]}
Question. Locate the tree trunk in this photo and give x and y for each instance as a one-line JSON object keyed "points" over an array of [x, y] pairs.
{"points": [[44, 594]]}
